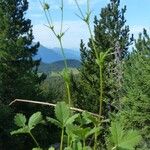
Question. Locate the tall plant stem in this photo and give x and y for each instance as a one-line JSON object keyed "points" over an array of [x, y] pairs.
{"points": [[101, 90], [95, 140], [84, 143], [62, 139], [68, 93], [35, 141], [66, 69], [63, 53], [92, 40]]}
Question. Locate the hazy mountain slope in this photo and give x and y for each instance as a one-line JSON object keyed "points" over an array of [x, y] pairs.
{"points": [[52, 55], [58, 66]]}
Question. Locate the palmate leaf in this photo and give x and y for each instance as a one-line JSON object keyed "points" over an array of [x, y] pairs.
{"points": [[130, 140], [35, 119], [21, 131], [20, 120], [62, 112], [122, 139]]}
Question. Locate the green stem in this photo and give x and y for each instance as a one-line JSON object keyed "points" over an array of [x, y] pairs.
{"points": [[63, 53], [92, 40], [95, 140], [68, 141], [68, 93], [62, 139], [101, 90], [83, 143], [37, 144], [66, 67]]}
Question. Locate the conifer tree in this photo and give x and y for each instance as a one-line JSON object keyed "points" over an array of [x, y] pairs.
{"points": [[110, 31], [135, 111], [18, 69]]}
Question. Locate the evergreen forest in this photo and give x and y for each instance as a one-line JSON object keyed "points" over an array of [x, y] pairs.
{"points": [[101, 102]]}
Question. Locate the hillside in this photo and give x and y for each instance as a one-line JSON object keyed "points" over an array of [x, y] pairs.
{"points": [[58, 65], [53, 55]]}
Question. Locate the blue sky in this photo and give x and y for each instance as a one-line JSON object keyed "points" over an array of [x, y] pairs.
{"points": [[137, 16]]}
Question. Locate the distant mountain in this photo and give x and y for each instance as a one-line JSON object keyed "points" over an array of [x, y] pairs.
{"points": [[52, 55], [58, 65]]}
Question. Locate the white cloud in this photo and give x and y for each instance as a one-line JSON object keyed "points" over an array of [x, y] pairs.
{"points": [[77, 31], [136, 29]]}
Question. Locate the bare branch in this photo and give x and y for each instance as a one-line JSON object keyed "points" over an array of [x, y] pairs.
{"points": [[48, 104]]}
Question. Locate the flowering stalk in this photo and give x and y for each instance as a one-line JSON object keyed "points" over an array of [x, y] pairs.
{"points": [[59, 36]]}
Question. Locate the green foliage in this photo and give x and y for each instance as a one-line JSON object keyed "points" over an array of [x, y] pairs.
{"points": [[136, 102], [20, 121], [110, 32], [63, 115], [121, 139], [18, 69]]}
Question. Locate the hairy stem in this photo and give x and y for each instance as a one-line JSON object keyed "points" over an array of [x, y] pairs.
{"points": [[95, 140], [62, 139], [68, 93], [101, 90]]}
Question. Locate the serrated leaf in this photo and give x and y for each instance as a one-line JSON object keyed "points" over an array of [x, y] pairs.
{"points": [[116, 132], [20, 131], [123, 139], [130, 140], [80, 132], [35, 119], [92, 131], [90, 118], [62, 112], [20, 120], [71, 119], [54, 121]]}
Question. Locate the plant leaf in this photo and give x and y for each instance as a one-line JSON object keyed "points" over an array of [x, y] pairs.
{"points": [[116, 132], [37, 148], [92, 131], [54, 121], [35, 119], [20, 120], [123, 139], [20, 131], [71, 119], [62, 112], [130, 140]]}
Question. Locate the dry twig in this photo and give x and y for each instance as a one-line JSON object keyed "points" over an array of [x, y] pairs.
{"points": [[48, 104]]}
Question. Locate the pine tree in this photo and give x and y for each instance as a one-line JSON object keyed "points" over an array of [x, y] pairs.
{"points": [[110, 31], [18, 68], [136, 102]]}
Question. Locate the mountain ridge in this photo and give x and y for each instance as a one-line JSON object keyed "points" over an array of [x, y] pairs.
{"points": [[50, 55]]}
